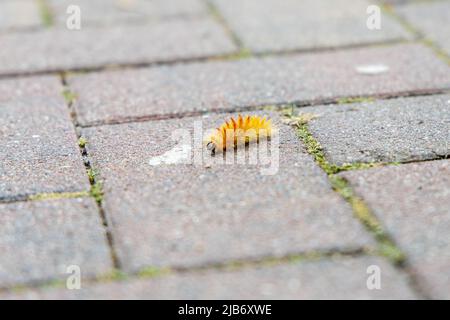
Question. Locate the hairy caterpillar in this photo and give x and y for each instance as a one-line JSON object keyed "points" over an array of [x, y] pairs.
{"points": [[237, 132]]}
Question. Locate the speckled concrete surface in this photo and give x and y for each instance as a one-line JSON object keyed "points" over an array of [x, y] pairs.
{"points": [[271, 25], [404, 129], [98, 12], [39, 240], [60, 48], [339, 278], [430, 19], [145, 75], [39, 151], [413, 202], [187, 215]]}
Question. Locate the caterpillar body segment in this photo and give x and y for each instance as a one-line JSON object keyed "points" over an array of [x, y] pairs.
{"points": [[238, 132]]}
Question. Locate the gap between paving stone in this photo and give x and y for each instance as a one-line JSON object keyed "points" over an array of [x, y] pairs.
{"points": [[156, 93], [273, 107], [241, 54], [440, 52], [96, 190], [386, 245], [304, 280], [46, 196], [215, 13], [232, 265]]}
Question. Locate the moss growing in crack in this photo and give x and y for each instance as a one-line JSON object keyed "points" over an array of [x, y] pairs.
{"points": [[386, 247], [82, 142], [389, 11], [69, 96], [341, 186], [114, 275], [360, 166], [315, 149], [92, 174], [97, 192], [152, 272], [313, 146], [45, 12], [392, 252], [243, 53], [437, 50], [63, 195], [355, 100]]}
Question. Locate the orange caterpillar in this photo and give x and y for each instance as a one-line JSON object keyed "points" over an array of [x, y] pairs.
{"points": [[237, 132]]}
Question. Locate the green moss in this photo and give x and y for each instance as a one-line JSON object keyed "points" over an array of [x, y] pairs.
{"points": [[355, 100], [341, 186], [389, 10], [69, 96], [437, 50], [97, 192], [114, 275], [386, 246], [45, 12], [152, 272], [392, 252], [63, 195], [315, 149], [57, 283], [92, 174], [360, 166], [82, 142], [243, 53]]}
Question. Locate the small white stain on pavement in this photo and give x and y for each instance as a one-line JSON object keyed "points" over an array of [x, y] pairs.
{"points": [[178, 154], [372, 69]]}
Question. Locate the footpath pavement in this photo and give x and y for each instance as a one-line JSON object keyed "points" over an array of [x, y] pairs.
{"points": [[91, 181]]}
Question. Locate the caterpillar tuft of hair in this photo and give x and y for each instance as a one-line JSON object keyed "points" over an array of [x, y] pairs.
{"points": [[234, 133]]}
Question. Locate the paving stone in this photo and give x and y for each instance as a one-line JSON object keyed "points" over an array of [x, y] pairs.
{"points": [[323, 279], [19, 14], [413, 202], [40, 239], [203, 212], [430, 18], [271, 25], [121, 11], [169, 90], [39, 151], [404, 129], [398, 2], [61, 48]]}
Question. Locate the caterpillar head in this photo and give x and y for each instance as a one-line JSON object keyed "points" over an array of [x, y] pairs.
{"points": [[211, 146]]}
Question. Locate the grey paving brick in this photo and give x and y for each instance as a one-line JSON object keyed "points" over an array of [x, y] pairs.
{"points": [[399, 2], [413, 202], [61, 48], [39, 151], [271, 25], [40, 239], [122, 11], [404, 129], [196, 214], [168, 90], [323, 279], [19, 15], [431, 19]]}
